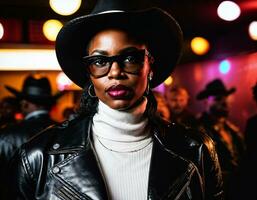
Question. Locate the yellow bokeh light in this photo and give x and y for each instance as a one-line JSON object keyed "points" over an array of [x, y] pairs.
{"points": [[1, 31], [65, 7], [51, 28], [168, 81], [200, 45], [253, 30]]}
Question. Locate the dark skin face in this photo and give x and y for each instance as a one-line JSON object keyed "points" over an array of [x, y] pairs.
{"points": [[218, 106], [118, 89], [177, 101]]}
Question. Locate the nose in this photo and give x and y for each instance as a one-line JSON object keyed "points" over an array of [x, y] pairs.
{"points": [[116, 71]]}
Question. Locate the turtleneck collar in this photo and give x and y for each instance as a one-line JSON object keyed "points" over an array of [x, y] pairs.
{"points": [[121, 130]]}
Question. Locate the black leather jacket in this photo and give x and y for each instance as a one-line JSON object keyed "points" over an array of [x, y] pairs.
{"points": [[60, 163]]}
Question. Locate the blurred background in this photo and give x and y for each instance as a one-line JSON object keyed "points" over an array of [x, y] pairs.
{"points": [[220, 41]]}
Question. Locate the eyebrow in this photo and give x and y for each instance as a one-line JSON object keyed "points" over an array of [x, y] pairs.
{"points": [[122, 51], [99, 52], [128, 50]]}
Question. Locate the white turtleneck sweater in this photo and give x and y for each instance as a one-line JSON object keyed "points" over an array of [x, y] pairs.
{"points": [[123, 145]]}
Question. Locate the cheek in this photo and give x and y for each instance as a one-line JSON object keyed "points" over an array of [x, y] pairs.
{"points": [[141, 80], [99, 86], [140, 84]]}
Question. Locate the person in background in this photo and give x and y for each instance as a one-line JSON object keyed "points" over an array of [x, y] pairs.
{"points": [[251, 128], [9, 106], [177, 99], [227, 137], [118, 147], [162, 107], [36, 101], [244, 182]]}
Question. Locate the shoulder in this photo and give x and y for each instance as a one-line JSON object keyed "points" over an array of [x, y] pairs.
{"points": [[62, 133], [50, 145], [12, 131], [188, 142], [190, 137]]}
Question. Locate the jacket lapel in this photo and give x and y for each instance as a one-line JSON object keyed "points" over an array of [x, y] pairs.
{"points": [[78, 176], [169, 173], [81, 177]]}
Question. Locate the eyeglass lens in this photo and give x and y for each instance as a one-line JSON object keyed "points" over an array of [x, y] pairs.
{"points": [[130, 62]]}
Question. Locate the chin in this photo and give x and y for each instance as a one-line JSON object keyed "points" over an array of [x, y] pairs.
{"points": [[119, 105]]}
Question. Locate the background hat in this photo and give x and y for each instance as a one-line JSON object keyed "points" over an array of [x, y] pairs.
{"points": [[37, 91], [215, 88], [160, 31]]}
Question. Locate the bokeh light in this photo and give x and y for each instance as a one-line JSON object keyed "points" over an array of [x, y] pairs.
{"points": [[224, 66], [65, 7], [51, 28], [228, 10], [63, 82], [1, 31], [252, 30], [200, 45], [168, 81]]}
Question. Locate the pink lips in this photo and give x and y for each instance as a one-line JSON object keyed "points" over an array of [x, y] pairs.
{"points": [[118, 91]]}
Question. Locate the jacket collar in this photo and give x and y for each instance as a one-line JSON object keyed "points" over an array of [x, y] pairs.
{"points": [[168, 177], [72, 136]]}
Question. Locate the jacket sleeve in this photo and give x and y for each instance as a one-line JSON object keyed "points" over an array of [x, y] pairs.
{"points": [[20, 182]]}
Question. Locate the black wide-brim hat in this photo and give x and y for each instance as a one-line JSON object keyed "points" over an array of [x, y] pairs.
{"points": [[159, 30], [36, 91], [215, 88]]}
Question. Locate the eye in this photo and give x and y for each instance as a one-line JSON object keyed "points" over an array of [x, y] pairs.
{"points": [[134, 57], [98, 62], [130, 59]]}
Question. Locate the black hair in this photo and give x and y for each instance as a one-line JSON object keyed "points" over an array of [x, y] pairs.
{"points": [[89, 104]]}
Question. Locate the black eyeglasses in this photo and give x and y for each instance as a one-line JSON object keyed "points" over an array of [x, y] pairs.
{"points": [[130, 62]]}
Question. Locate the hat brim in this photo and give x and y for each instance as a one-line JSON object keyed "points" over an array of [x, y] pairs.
{"points": [[207, 93], [161, 32], [41, 100]]}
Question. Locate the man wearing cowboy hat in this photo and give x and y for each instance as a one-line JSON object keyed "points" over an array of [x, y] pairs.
{"points": [[36, 101], [229, 142]]}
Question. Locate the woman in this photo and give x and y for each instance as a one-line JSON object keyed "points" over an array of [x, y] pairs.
{"points": [[117, 148]]}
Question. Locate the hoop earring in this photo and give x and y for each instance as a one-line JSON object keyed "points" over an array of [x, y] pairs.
{"points": [[89, 91], [149, 79]]}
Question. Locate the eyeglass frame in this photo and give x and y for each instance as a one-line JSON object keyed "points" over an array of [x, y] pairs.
{"points": [[116, 58]]}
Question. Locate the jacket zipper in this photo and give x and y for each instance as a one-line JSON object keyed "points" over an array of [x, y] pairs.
{"points": [[66, 194], [183, 190]]}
